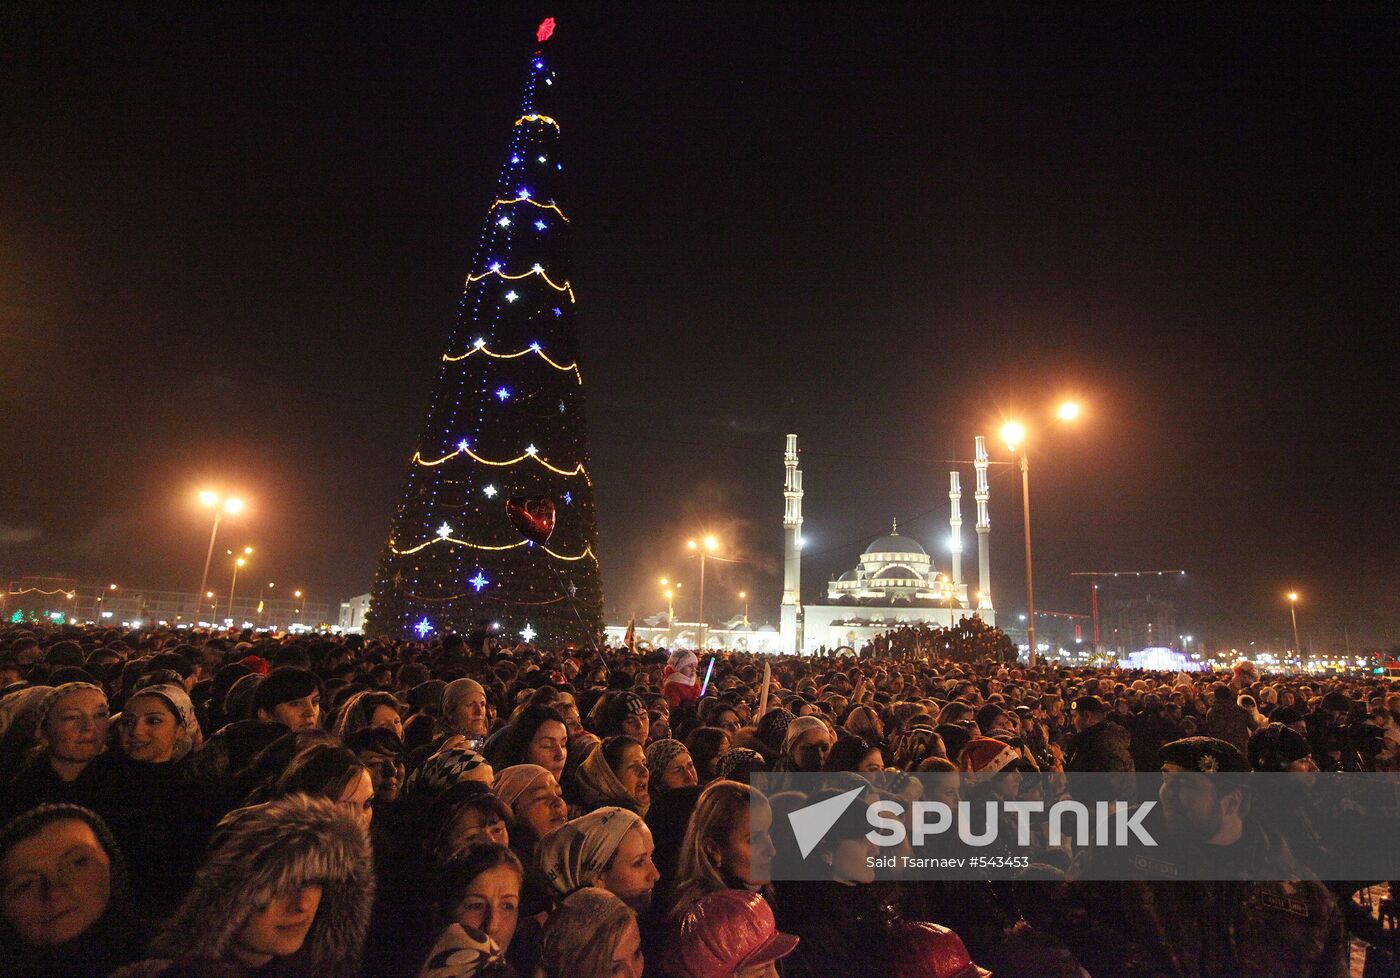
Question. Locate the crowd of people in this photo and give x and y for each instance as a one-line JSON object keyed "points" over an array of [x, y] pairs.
{"points": [[232, 805]]}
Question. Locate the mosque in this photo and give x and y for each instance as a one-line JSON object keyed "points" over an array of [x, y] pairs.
{"points": [[896, 581]]}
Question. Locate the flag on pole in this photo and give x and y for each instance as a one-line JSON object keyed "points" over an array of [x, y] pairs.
{"points": [[630, 639]]}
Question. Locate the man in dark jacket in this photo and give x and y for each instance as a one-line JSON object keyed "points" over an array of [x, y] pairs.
{"points": [[1227, 720], [1097, 745]]}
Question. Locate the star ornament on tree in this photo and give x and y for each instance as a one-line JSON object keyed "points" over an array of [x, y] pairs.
{"points": [[444, 532], [423, 628], [479, 581], [528, 633]]}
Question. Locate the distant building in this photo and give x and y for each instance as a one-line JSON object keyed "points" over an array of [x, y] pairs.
{"points": [[48, 597], [1131, 626], [352, 613]]}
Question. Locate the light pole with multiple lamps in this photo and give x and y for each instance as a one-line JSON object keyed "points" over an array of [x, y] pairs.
{"points": [[1014, 434], [232, 506]]}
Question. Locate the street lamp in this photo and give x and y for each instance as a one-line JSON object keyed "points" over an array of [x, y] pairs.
{"points": [[1014, 434], [232, 506], [297, 594], [237, 563], [1293, 613], [947, 593], [707, 545], [744, 596]]}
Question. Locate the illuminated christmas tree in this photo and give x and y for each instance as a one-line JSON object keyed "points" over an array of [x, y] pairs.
{"points": [[506, 420]]}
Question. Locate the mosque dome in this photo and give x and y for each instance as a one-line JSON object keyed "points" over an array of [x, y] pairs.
{"points": [[850, 575], [895, 544]]}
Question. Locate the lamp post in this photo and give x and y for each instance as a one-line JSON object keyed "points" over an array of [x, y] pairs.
{"points": [[1293, 613], [233, 505], [237, 563], [300, 604], [947, 593], [703, 547], [744, 596], [1014, 435]]}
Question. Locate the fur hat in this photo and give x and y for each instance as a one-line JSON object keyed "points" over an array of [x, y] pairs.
{"points": [[1208, 755], [262, 851]]}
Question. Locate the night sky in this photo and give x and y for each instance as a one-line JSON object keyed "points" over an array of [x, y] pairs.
{"points": [[231, 243]]}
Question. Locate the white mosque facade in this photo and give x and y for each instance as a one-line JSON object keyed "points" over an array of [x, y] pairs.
{"points": [[895, 582]]}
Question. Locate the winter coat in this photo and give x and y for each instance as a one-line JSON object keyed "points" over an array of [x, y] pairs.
{"points": [[1102, 747], [1231, 723], [258, 853], [844, 929]]}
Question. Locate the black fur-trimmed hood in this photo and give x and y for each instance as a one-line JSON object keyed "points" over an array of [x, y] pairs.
{"points": [[267, 849]]}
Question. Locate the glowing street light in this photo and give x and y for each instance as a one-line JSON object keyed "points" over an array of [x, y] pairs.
{"points": [[220, 505], [1293, 613], [744, 597], [237, 563], [1014, 434], [704, 547]]}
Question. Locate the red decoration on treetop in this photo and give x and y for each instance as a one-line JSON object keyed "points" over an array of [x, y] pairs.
{"points": [[546, 30]]}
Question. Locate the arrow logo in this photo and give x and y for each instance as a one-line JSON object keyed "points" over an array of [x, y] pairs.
{"points": [[811, 823]]}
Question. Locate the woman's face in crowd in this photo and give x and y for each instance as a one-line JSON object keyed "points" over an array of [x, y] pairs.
{"points": [[943, 786], [872, 762], [633, 774], [358, 796], [300, 714], [811, 749], [387, 773], [573, 723], [475, 825], [748, 848], [728, 721], [469, 715], [388, 718], [278, 929], [630, 874], [55, 884], [680, 773], [627, 960], [148, 729], [848, 860], [76, 727], [542, 807], [548, 747], [492, 904], [637, 726]]}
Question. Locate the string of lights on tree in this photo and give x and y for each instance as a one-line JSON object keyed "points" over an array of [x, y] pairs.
{"points": [[506, 420]]}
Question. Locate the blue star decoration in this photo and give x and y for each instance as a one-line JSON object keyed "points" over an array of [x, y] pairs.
{"points": [[479, 581], [423, 628], [503, 393], [568, 498]]}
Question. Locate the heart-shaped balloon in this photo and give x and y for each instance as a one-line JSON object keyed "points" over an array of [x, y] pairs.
{"points": [[532, 517]]}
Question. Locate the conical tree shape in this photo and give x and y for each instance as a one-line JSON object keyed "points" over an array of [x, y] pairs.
{"points": [[506, 420]]}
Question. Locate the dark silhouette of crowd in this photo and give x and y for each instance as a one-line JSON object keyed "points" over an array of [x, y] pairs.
{"points": [[186, 804]]}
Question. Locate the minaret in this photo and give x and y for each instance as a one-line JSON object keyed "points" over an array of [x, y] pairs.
{"points": [[984, 527], [791, 613], [955, 528]]}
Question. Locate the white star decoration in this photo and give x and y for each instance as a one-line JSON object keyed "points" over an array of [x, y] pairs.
{"points": [[528, 633], [479, 581], [463, 445], [490, 492], [444, 531], [531, 450]]}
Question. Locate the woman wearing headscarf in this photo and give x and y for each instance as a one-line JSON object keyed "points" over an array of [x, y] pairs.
{"points": [[614, 774], [611, 848], [289, 881], [70, 734], [151, 803], [592, 934], [371, 708], [63, 855], [620, 712], [669, 766], [536, 803]]}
